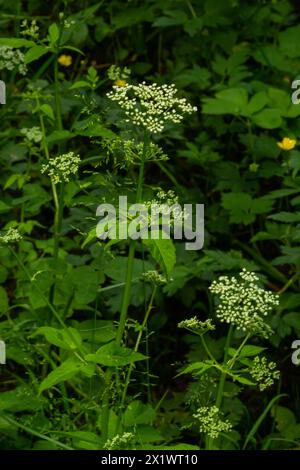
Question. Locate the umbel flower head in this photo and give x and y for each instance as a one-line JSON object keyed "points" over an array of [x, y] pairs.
{"points": [[12, 235], [243, 303], [119, 442], [61, 168], [12, 59], [211, 422], [151, 106], [264, 372], [197, 326]]}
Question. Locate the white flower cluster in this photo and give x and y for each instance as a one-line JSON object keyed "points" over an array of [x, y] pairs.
{"points": [[162, 204], [244, 303], [60, 168], [151, 106], [264, 372], [34, 134], [30, 29], [199, 327], [211, 423], [154, 277], [119, 442], [11, 59], [11, 236]]}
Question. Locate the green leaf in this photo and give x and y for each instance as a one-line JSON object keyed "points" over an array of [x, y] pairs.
{"points": [[67, 339], [53, 33], [48, 111], [230, 101], [19, 399], [289, 41], [65, 371], [59, 136], [16, 42], [80, 84], [4, 207], [112, 355], [163, 251], [138, 413], [268, 118], [257, 102], [247, 351], [35, 53]]}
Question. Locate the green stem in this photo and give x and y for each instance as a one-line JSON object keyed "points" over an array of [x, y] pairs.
{"points": [[223, 375], [130, 262], [237, 353], [137, 344], [125, 300], [222, 380]]}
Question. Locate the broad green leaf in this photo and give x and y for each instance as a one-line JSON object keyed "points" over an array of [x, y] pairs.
{"points": [[230, 101], [113, 355], [19, 399], [53, 33], [138, 413], [48, 111], [35, 53], [16, 42], [65, 371], [247, 351], [58, 136], [163, 251], [289, 41], [67, 339], [267, 118]]}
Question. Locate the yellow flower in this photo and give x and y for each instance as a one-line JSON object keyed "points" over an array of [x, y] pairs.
{"points": [[287, 143], [65, 60], [120, 82]]}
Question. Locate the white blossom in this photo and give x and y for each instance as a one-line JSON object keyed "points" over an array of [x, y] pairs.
{"points": [[242, 302], [12, 235], [151, 106], [11, 59], [211, 422], [264, 372], [60, 168], [119, 442], [34, 134]]}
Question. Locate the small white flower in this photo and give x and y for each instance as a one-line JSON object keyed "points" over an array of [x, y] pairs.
{"points": [[11, 59], [11, 236], [242, 302], [61, 168], [119, 442], [34, 134], [151, 106], [263, 372], [211, 422]]}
